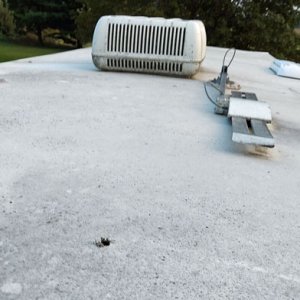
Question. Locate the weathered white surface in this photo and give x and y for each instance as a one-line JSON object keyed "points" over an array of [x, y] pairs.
{"points": [[249, 109], [145, 161], [11, 288]]}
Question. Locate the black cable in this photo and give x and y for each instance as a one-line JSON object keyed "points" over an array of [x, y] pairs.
{"points": [[215, 87], [232, 58], [211, 83], [209, 98]]}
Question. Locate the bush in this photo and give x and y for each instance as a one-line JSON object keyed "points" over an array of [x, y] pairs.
{"points": [[7, 22], [244, 24]]}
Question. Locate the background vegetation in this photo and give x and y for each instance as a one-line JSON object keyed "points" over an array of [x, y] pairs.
{"points": [[264, 25], [11, 50]]}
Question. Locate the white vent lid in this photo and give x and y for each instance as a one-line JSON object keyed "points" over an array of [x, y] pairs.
{"points": [[286, 68]]}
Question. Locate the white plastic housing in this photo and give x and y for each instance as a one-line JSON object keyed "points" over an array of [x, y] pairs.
{"points": [[286, 68], [152, 45]]}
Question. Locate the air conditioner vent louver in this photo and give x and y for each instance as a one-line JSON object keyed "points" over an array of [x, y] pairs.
{"points": [[153, 45], [139, 65], [144, 39]]}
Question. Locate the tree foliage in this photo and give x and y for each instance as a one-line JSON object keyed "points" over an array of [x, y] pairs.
{"points": [[265, 25], [37, 15], [7, 23], [88, 16]]}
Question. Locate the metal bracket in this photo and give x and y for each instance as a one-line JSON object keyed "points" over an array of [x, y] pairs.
{"points": [[222, 105], [249, 119]]}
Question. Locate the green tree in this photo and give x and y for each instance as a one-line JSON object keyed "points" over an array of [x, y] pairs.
{"points": [[92, 10], [141, 8], [37, 15], [218, 17], [267, 26], [89, 14], [7, 23]]}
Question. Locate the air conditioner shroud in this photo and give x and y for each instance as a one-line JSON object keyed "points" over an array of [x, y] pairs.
{"points": [[151, 45]]}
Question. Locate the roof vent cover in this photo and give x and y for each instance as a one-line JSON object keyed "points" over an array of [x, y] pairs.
{"points": [[152, 45]]}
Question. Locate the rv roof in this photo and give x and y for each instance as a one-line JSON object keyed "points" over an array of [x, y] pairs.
{"points": [[144, 161]]}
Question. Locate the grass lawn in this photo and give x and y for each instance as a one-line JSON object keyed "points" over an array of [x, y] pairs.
{"points": [[10, 50]]}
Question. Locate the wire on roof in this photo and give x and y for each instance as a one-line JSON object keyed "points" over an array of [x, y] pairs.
{"points": [[232, 58], [214, 85], [209, 98]]}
